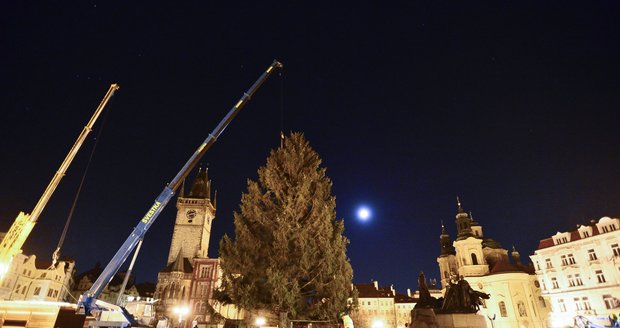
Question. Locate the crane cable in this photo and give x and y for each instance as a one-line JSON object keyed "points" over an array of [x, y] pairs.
{"points": [[281, 107], [56, 254]]}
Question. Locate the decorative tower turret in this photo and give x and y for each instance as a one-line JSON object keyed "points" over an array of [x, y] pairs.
{"points": [[463, 223], [447, 258], [469, 254]]}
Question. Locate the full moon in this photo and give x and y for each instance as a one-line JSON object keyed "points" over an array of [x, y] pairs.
{"points": [[363, 213]]}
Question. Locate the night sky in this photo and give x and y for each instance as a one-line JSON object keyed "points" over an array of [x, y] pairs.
{"points": [[512, 105]]}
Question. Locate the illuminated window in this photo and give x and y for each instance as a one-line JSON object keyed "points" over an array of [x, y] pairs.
{"points": [[592, 255], [502, 309]]}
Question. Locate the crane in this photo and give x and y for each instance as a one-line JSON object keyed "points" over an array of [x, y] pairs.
{"points": [[88, 301], [24, 223]]}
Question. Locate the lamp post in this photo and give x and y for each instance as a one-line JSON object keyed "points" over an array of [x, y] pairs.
{"points": [[180, 311]]}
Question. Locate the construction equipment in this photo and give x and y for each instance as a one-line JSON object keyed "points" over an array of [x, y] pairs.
{"points": [[88, 301], [21, 228]]}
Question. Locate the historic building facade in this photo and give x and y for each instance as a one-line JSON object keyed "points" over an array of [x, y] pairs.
{"points": [[24, 281], [188, 280], [382, 307], [515, 296], [110, 294], [579, 272]]}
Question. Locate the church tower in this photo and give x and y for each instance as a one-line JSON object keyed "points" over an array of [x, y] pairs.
{"points": [[189, 245], [470, 257], [447, 258], [192, 228]]}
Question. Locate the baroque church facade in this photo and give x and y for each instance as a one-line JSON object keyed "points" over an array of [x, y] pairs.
{"points": [[516, 299], [188, 280]]}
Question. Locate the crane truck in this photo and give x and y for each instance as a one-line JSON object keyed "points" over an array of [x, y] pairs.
{"points": [[88, 301], [24, 223]]}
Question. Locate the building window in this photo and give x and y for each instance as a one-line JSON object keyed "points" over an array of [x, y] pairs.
{"points": [[592, 255], [586, 303], [537, 265], [586, 234], [615, 249], [577, 304], [37, 290], [554, 282], [578, 281], [474, 259], [24, 290], [522, 311], [571, 282], [502, 309], [561, 305], [600, 277], [564, 261], [571, 259], [610, 302], [549, 264], [542, 301]]}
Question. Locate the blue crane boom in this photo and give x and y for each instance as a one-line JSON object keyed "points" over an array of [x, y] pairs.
{"points": [[87, 300]]}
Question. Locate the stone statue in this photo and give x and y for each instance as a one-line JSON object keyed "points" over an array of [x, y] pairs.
{"points": [[426, 300], [461, 298]]}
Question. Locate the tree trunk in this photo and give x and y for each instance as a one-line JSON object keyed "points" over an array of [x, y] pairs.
{"points": [[283, 321]]}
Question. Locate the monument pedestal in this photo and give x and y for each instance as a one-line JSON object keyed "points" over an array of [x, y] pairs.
{"points": [[423, 318], [461, 320]]}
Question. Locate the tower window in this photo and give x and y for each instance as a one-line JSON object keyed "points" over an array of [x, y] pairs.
{"points": [[474, 259], [502, 309]]}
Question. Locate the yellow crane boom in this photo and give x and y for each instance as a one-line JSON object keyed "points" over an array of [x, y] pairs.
{"points": [[21, 228]]}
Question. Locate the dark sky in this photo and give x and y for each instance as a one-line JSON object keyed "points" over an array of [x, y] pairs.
{"points": [[513, 105]]}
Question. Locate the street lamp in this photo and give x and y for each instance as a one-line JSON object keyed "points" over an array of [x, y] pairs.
{"points": [[260, 321], [180, 311]]}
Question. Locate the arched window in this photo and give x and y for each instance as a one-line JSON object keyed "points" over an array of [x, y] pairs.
{"points": [[502, 309], [183, 292], [522, 311], [474, 259]]}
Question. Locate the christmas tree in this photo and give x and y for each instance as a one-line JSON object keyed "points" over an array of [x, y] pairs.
{"points": [[289, 252]]}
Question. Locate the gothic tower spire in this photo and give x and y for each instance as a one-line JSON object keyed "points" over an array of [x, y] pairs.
{"points": [[445, 243], [463, 222]]}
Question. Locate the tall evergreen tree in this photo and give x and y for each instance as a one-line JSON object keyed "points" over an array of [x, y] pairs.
{"points": [[289, 253]]}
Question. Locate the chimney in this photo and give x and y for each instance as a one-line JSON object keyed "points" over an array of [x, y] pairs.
{"points": [[409, 292], [393, 290], [376, 283]]}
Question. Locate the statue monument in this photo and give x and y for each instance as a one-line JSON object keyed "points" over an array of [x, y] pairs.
{"points": [[457, 309]]}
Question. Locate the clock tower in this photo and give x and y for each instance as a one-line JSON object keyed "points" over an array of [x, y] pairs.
{"points": [[192, 228]]}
